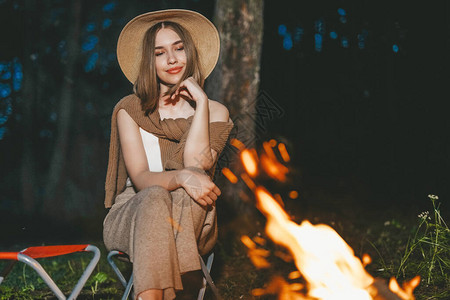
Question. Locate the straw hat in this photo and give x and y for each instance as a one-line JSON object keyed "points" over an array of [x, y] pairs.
{"points": [[203, 32]]}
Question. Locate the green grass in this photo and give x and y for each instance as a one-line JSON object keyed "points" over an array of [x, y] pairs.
{"points": [[24, 283], [404, 250], [400, 247]]}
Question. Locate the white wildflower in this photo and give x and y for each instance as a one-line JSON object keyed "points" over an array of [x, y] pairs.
{"points": [[433, 197], [424, 215]]}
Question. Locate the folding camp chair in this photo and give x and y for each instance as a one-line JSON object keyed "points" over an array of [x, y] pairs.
{"points": [[129, 284], [29, 256]]}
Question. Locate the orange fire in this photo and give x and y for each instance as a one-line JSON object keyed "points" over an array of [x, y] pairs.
{"points": [[229, 175], [251, 164], [332, 272], [323, 258]]}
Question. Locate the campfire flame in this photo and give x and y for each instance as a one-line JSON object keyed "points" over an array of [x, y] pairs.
{"points": [[322, 257], [332, 272]]}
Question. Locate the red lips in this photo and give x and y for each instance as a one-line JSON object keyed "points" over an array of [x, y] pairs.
{"points": [[174, 70]]}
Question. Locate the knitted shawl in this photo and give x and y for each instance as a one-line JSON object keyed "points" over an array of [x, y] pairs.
{"points": [[171, 133]]}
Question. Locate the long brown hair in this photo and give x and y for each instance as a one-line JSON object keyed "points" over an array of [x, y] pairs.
{"points": [[146, 86]]}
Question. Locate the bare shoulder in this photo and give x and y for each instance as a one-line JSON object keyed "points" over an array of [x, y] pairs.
{"points": [[124, 120], [218, 112], [122, 115]]}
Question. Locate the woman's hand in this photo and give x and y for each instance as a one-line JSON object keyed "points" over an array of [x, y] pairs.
{"points": [[199, 186], [189, 88]]}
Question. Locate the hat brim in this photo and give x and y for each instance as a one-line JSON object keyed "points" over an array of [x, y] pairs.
{"points": [[203, 32]]}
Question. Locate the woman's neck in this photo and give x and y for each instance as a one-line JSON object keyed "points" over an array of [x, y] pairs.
{"points": [[173, 108], [165, 101]]}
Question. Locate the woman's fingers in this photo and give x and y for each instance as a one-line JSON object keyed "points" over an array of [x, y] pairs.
{"points": [[181, 92], [200, 188], [213, 196], [209, 197], [208, 200], [190, 88], [202, 202], [216, 190], [184, 93]]}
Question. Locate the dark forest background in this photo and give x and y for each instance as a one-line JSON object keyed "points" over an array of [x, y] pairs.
{"points": [[356, 89]]}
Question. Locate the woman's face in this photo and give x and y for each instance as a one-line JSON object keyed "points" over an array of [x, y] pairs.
{"points": [[170, 58]]}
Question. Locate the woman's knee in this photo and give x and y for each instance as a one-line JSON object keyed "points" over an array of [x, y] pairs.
{"points": [[153, 198]]}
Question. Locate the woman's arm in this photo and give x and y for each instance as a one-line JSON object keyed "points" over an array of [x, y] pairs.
{"points": [[204, 191], [197, 151]]}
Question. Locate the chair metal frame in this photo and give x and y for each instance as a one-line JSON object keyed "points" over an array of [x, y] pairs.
{"points": [[128, 285], [29, 256]]}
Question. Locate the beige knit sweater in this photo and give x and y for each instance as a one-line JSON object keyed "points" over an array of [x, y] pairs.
{"points": [[171, 133]]}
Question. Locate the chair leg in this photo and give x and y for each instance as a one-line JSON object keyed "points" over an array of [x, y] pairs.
{"points": [[49, 281], [87, 272], [113, 265], [29, 255], [127, 285], [128, 289], [41, 272], [206, 269]]}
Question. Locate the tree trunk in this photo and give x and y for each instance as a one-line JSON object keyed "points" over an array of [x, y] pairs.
{"points": [[54, 206], [235, 80]]}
